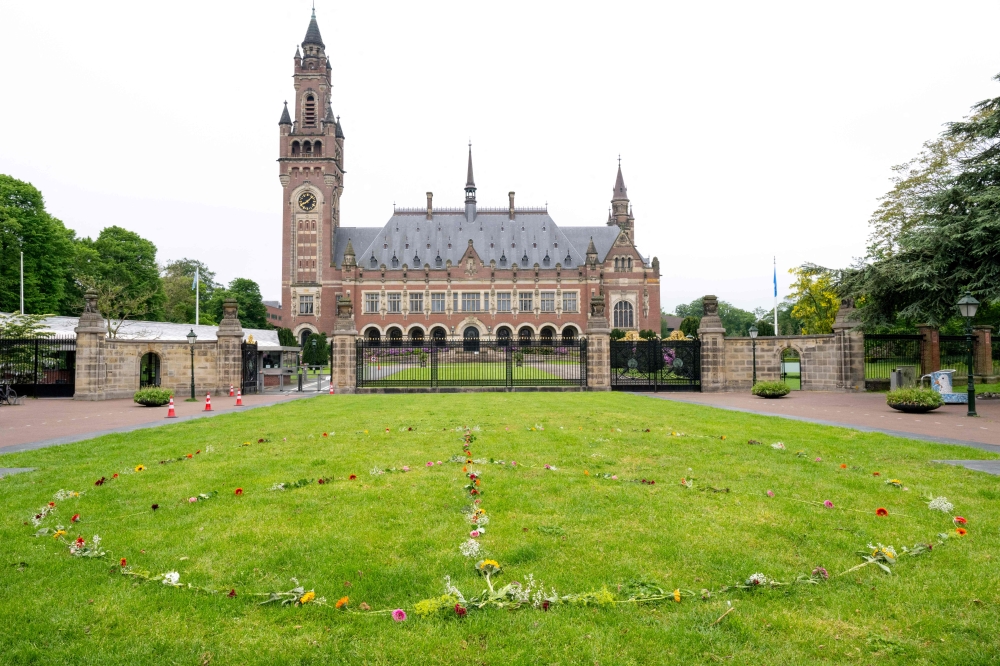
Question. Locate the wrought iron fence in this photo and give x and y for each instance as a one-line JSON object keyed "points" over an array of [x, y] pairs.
{"points": [[250, 372], [955, 354], [885, 352], [39, 367], [995, 349], [470, 362], [656, 365]]}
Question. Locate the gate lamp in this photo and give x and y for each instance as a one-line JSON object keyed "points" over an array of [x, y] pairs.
{"points": [[192, 337], [753, 341], [968, 306]]}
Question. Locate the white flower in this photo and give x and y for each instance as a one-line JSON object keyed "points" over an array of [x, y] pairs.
{"points": [[940, 504], [171, 578], [757, 579], [375, 471], [778, 445], [278, 486], [470, 548], [95, 542]]}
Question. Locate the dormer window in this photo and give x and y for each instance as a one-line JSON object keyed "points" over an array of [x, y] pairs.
{"points": [[503, 260], [437, 261], [569, 259], [524, 259], [373, 261], [545, 261], [416, 260], [395, 261]]}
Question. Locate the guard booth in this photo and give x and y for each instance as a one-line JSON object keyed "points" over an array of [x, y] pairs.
{"points": [[278, 368]]}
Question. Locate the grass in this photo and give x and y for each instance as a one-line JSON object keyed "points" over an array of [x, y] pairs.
{"points": [[456, 371], [572, 531]]}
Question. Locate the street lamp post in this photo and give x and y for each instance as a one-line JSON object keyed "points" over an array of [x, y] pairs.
{"points": [[753, 341], [967, 306], [192, 337]]}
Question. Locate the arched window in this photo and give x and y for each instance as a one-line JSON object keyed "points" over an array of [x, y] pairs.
{"points": [[307, 148], [310, 111], [617, 264], [470, 339], [416, 336], [395, 334], [630, 264], [318, 149], [149, 370], [439, 336], [503, 336], [623, 315], [373, 335], [303, 336], [296, 149], [569, 334], [524, 335], [547, 334]]}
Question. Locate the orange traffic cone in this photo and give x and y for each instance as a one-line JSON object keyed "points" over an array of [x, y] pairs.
{"points": [[230, 390], [170, 411], [208, 402], [331, 386], [239, 398]]}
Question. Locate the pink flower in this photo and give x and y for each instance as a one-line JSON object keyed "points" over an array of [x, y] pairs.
{"points": [[399, 615], [770, 493], [405, 468], [438, 462], [430, 464], [474, 534], [818, 459], [614, 477], [513, 463], [192, 499], [828, 504]]}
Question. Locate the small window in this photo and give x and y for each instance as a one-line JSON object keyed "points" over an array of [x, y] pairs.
{"points": [[305, 305], [371, 303], [437, 302], [318, 149], [524, 301], [503, 301], [395, 302], [454, 301], [548, 301], [569, 301], [470, 301], [416, 301]]}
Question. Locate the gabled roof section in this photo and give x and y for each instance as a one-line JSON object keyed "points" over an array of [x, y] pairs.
{"points": [[312, 34]]}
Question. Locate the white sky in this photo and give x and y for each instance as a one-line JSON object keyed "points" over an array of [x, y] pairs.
{"points": [[745, 129]]}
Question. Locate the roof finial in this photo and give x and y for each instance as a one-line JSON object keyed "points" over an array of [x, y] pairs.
{"points": [[619, 160]]}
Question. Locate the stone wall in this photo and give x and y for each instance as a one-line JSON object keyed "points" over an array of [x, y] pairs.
{"points": [[832, 362], [108, 368]]}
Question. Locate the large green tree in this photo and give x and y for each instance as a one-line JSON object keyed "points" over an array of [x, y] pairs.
{"points": [[252, 312], [814, 297], [178, 277], [26, 227], [949, 238]]}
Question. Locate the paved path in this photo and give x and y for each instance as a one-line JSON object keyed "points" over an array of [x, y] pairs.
{"points": [[866, 411], [47, 422]]}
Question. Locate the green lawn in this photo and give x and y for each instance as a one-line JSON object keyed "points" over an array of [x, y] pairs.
{"points": [[389, 540], [456, 371]]}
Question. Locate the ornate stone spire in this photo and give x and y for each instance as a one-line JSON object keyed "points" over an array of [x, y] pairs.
{"points": [[285, 118], [312, 34]]}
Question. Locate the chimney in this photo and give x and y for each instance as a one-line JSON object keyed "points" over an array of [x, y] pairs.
{"points": [[510, 195], [430, 207]]}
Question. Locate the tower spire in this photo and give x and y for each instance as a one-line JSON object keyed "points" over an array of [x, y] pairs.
{"points": [[469, 180], [620, 193], [312, 33], [470, 191]]}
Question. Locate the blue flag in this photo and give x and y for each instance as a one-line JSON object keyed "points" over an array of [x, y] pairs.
{"points": [[775, 279], [194, 283]]}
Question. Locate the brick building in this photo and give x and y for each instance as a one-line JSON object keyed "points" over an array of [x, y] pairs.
{"points": [[504, 272]]}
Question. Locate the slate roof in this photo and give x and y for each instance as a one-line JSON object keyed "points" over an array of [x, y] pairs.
{"points": [[530, 236], [312, 34], [285, 118]]}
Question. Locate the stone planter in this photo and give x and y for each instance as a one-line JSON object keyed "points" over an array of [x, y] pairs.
{"points": [[914, 409]]}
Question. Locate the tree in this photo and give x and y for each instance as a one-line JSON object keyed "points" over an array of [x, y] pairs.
{"points": [[120, 265], [318, 353], [20, 325], [689, 326], [815, 297], [47, 244], [736, 321], [178, 277], [286, 338], [764, 327], [950, 241], [246, 292]]}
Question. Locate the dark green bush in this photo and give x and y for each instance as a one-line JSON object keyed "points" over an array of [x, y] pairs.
{"points": [[770, 389], [617, 334], [914, 397], [153, 396], [647, 334]]}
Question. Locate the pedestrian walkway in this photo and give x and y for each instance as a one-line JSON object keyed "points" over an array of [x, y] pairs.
{"points": [[47, 422], [865, 411]]}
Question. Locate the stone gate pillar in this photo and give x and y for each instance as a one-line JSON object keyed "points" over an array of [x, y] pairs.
{"points": [[91, 333], [984, 354], [598, 346], [712, 335], [850, 348], [229, 359], [930, 349], [345, 335]]}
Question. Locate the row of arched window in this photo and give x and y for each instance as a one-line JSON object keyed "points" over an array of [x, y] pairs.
{"points": [[623, 264], [504, 335], [307, 148]]}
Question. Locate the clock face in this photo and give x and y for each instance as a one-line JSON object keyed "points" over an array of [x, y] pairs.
{"points": [[307, 201]]}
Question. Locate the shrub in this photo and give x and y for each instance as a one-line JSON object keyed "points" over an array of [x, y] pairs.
{"points": [[915, 397], [617, 334], [153, 396], [769, 389], [647, 334], [689, 326]]}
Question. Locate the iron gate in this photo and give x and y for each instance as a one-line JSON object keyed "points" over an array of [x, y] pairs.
{"points": [[470, 361], [655, 365], [249, 368], [39, 367]]}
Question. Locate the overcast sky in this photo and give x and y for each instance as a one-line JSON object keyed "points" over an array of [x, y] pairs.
{"points": [[745, 130]]}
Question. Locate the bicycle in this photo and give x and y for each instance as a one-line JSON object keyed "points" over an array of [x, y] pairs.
{"points": [[7, 395]]}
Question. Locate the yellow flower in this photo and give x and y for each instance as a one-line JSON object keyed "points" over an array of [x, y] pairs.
{"points": [[586, 473], [677, 596], [140, 468], [341, 602], [486, 563], [58, 534], [307, 597]]}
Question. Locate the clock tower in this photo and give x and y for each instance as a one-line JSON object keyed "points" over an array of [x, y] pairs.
{"points": [[311, 171]]}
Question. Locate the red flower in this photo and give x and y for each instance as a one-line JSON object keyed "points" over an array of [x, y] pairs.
{"points": [[99, 482], [959, 520], [52, 503], [881, 512], [114, 476], [198, 451], [387, 430], [155, 507], [321, 481], [232, 593], [123, 563], [325, 435], [352, 477], [473, 492], [79, 542], [238, 492], [545, 605], [460, 611], [75, 518], [876, 474], [190, 455], [409, 429], [843, 466]]}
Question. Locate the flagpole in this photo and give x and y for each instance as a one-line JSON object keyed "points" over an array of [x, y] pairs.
{"points": [[776, 295], [197, 297], [22, 283]]}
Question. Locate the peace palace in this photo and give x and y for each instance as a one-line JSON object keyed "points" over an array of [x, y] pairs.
{"points": [[431, 272]]}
